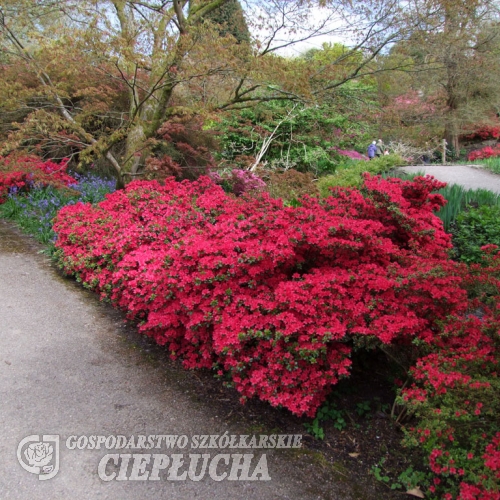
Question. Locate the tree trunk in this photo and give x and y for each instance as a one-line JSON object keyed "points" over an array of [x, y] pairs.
{"points": [[151, 118], [135, 151], [452, 129], [452, 137]]}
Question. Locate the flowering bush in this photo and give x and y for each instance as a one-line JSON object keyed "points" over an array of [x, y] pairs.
{"points": [[484, 153], [22, 174], [354, 155], [268, 296], [456, 392], [244, 181], [34, 210], [485, 132], [414, 103], [272, 298], [238, 181]]}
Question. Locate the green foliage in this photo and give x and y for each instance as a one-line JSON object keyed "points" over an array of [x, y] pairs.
{"points": [[407, 480], [363, 408], [492, 164], [454, 194], [381, 407], [315, 429], [332, 64], [318, 160], [458, 198], [332, 52], [401, 174], [473, 229], [34, 212], [328, 412], [379, 473], [229, 16], [304, 138], [350, 174], [411, 478]]}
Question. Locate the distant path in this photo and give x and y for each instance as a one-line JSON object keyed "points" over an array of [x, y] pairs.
{"points": [[466, 176]]}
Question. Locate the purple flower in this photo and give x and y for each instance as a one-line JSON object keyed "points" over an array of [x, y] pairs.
{"points": [[350, 153], [215, 176], [244, 181]]}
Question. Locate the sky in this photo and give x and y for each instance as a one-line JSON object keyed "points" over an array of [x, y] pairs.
{"points": [[316, 16]]}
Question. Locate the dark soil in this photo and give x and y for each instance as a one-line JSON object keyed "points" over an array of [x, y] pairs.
{"points": [[368, 438]]}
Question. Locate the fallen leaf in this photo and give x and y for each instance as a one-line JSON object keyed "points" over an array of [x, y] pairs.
{"points": [[354, 455], [416, 492]]}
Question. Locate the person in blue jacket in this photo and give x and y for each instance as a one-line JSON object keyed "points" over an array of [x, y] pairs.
{"points": [[372, 150]]}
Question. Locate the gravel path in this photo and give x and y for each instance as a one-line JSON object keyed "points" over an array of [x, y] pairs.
{"points": [[466, 176], [69, 366]]}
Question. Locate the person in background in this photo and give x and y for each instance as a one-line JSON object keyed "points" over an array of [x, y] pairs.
{"points": [[372, 150], [380, 148]]}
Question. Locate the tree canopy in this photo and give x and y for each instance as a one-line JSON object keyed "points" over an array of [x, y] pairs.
{"points": [[99, 79], [449, 84]]}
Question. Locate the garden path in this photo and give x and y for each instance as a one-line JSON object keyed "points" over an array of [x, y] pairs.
{"points": [[69, 366], [470, 177]]}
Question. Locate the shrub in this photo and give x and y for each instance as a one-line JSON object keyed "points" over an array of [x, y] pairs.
{"points": [[457, 199], [484, 153], [34, 211], [350, 153], [456, 392], [23, 173], [475, 228], [291, 185], [182, 149], [352, 175], [238, 181], [318, 160], [268, 296], [485, 132], [273, 299], [308, 139]]}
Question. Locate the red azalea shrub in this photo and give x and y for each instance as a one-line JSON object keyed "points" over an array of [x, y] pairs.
{"points": [[269, 296], [485, 132], [456, 393], [484, 153], [23, 173]]}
